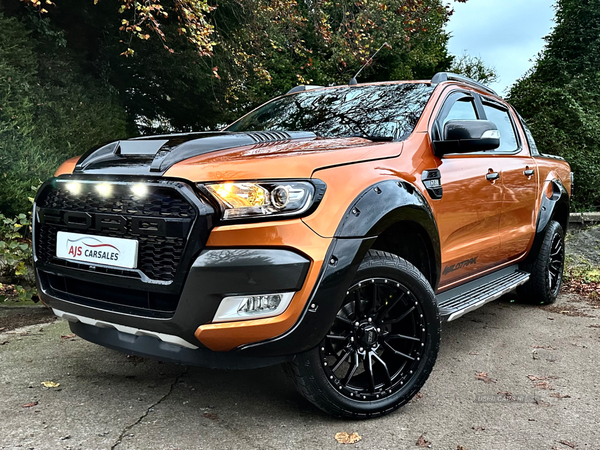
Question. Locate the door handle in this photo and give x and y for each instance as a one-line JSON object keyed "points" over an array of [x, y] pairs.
{"points": [[529, 172], [492, 176]]}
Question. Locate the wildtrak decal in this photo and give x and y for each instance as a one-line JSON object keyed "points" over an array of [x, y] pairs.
{"points": [[460, 265]]}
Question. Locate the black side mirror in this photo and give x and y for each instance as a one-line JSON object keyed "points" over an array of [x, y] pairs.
{"points": [[464, 136]]}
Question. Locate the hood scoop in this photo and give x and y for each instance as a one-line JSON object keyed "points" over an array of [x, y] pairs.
{"points": [[156, 154]]}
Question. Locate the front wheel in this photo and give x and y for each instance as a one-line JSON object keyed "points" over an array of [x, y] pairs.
{"points": [[382, 344]]}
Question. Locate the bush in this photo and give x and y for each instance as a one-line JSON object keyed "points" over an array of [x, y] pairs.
{"points": [[49, 110]]}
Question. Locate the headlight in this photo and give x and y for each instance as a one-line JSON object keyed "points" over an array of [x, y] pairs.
{"points": [[243, 200]]}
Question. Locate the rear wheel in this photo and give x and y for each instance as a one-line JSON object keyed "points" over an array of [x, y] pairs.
{"points": [[381, 346], [546, 270]]}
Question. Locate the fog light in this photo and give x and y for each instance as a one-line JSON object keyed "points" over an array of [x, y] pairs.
{"points": [[243, 307]]}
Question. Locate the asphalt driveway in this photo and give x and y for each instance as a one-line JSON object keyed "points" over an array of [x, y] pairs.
{"points": [[508, 377]]}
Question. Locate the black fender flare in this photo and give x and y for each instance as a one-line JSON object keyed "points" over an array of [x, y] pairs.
{"points": [[372, 212], [387, 203], [549, 208]]}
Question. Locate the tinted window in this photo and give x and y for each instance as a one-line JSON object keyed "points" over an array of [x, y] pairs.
{"points": [[532, 146], [385, 110], [508, 139], [464, 109]]}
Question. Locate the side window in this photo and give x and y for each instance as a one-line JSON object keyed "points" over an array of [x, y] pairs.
{"points": [[508, 138], [458, 106], [463, 109], [532, 146]]}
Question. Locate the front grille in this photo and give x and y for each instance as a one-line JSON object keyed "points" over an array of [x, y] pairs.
{"points": [[162, 217]]}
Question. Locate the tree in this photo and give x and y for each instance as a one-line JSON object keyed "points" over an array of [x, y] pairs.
{"points": [[254, 50], [475, 68], [560, 96]]}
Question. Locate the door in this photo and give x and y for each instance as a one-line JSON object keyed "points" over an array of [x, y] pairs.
{"points": [[469, 212], [520, 183]]}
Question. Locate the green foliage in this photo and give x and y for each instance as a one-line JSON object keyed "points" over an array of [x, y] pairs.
{"points": [[474, 67], [49, 110], [16, 256], [560, 97]]}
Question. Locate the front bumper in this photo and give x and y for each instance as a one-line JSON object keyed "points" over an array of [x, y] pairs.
{"points": [[215, 274]]}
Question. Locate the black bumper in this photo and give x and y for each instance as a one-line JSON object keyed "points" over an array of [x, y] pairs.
{"points": [[151, 347], [215, 274]]}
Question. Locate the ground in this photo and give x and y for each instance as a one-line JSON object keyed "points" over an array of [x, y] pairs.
{"points": [[508, 376]]}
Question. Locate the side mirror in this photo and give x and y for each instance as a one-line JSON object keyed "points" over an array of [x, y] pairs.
{"points": [[464, 136]]}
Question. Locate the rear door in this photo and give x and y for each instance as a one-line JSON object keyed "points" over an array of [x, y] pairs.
{"points": [[519, 179]]}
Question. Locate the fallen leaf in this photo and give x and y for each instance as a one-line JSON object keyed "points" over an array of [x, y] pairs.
{"points": [[3, 343], [483, 376], [50, 384], [473, 353], [545, 347], [589, 326], [68, 336], [558, 395], [567, 443], [422, 442], [29, 405], [211, 416], [478, 428], [460, 447], [541, 402], [543, 378], [544, 385], [345, 438]]}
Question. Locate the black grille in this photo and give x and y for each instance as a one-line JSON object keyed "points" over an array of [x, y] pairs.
{"points": [[159, 251]]}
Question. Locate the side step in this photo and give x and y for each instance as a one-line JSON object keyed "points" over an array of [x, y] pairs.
{"points": [[470, 296]]}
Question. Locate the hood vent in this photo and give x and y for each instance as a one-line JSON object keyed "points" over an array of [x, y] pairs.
{"points": [[155, 155]]}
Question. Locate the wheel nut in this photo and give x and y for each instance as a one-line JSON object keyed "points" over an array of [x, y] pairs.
{"points": [[361, 349], [356, 324], [379, 330], [351, 339], [370, 320]]}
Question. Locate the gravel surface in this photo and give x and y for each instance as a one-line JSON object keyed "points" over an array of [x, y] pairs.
{"points": [[508, 377]]}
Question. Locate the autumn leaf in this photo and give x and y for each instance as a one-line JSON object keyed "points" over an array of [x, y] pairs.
{"points": [[50, 384], [483, 376], [29, 405], [345, 438], [567, 443], [68, 336], [422, 442]]}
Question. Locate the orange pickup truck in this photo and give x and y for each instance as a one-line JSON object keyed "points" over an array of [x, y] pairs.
{"points": [[331, 229]]}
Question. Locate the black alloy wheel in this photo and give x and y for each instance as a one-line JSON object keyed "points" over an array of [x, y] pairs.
{"points": [[381, 346], [546, 269], [375, 343]]}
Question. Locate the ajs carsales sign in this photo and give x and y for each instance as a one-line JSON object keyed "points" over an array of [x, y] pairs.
{"points": [[108, 251]]}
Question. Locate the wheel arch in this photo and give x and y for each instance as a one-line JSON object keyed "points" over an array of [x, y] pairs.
{"points": [[555, 205], [399, 217]]}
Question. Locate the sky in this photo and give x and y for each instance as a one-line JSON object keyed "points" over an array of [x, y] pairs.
{"points": [[506, 34]]}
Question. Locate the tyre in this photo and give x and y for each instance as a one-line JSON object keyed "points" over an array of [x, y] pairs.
{"points": [[546, 269], [382, 344]]}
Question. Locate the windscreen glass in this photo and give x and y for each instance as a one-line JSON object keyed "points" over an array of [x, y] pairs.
{"points": [[378, 112]]}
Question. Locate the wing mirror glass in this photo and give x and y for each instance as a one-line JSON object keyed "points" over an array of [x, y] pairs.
{"points": [[465, 136]]}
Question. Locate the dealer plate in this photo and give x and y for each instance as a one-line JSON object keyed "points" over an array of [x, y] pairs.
{"points": [[108, 251]]}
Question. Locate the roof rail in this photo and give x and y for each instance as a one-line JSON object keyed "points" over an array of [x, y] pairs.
{"points": [[302, 88], [447, 76]]}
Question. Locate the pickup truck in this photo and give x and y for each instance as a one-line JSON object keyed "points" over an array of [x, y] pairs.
{"points": [[332, 229]]}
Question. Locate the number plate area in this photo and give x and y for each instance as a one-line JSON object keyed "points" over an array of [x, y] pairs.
{"points": [[107, 251]]}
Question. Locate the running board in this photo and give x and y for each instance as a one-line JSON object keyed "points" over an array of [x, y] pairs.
{"points": [[470, 296]]}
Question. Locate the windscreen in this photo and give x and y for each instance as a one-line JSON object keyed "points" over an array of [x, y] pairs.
{"points": [[376, 112]]}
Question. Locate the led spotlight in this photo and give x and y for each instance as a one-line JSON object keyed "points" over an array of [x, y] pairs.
{"points": [[74, 187], [104, 189], [139, 190]]}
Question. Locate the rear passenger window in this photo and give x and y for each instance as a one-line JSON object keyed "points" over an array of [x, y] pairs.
{"points": [[508, 138]]}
